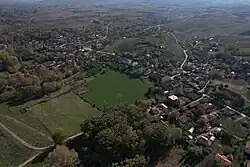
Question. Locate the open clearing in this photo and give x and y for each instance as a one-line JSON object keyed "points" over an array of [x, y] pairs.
{"points": [[166, 40], [234, 128], [66, 112], [111, 87]]}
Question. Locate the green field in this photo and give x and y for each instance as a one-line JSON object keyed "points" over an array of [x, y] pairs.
{"points": [[112, 87], [66, 112], [247, 50], [12, 152], [234, 128], [34, 138]]}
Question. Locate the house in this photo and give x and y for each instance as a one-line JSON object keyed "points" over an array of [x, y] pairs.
{"points": [[173, 97], [191, 130], [184, 118], [202, 140], [147, 103], [164, 106], [216, 130], [222, 159], [154, 111], [173, 100]]}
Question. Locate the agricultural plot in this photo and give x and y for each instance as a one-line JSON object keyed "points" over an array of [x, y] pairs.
{"points": [[172, 50], [12, 152], [29, 135], [66, 113], [112, 87]]}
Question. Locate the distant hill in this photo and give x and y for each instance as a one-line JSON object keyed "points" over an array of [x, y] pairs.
{"points": [[79, 1], [171, 2], [2, 2]]}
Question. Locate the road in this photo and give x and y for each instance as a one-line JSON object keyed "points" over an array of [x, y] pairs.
{"points": [[203, 89], [174, 76], [203, 95], [185, 19], [236, 111], [27, 126], [169, 11], [112, 54], [184, 51], [185, 60], [150, 27], [107, 29], [34, 157], [22, 141], [86, 26]]}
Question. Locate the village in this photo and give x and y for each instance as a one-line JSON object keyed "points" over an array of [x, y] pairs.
{"points": [[192, 83]]}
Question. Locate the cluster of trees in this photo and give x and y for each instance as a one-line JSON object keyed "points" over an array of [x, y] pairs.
{"points": [[223, 96], [18, 83], [123, 136], [9, 62]]}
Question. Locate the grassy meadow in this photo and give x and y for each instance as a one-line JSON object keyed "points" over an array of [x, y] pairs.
{"points": [[113, 87]]}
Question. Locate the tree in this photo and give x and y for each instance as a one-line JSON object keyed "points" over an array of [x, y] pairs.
{"points": [[61, 156], [51, 87], [227, 150], [121, 133], [10, 62], [194, 155], [137, 161], [176, 135], [232, 49], [227, 139], [58, 137], [3, 84]]}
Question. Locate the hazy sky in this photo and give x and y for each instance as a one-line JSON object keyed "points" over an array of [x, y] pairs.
{"points": [[171, 1]]}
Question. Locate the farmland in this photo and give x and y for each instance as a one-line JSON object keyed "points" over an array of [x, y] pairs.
{"points": [[12, 152], [109, 88], [65, 113]]}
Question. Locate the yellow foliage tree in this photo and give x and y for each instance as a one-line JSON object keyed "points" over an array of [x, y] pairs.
{"points": [[61, 156]]}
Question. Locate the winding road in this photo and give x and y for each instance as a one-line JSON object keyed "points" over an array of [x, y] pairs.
{"points": [[185, 60], [27, 126], [184, 51], [34, 157], [22, 141]]}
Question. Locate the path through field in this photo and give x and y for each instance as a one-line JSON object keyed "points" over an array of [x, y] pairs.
{"points": [[21, 140], [27, 126]]}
